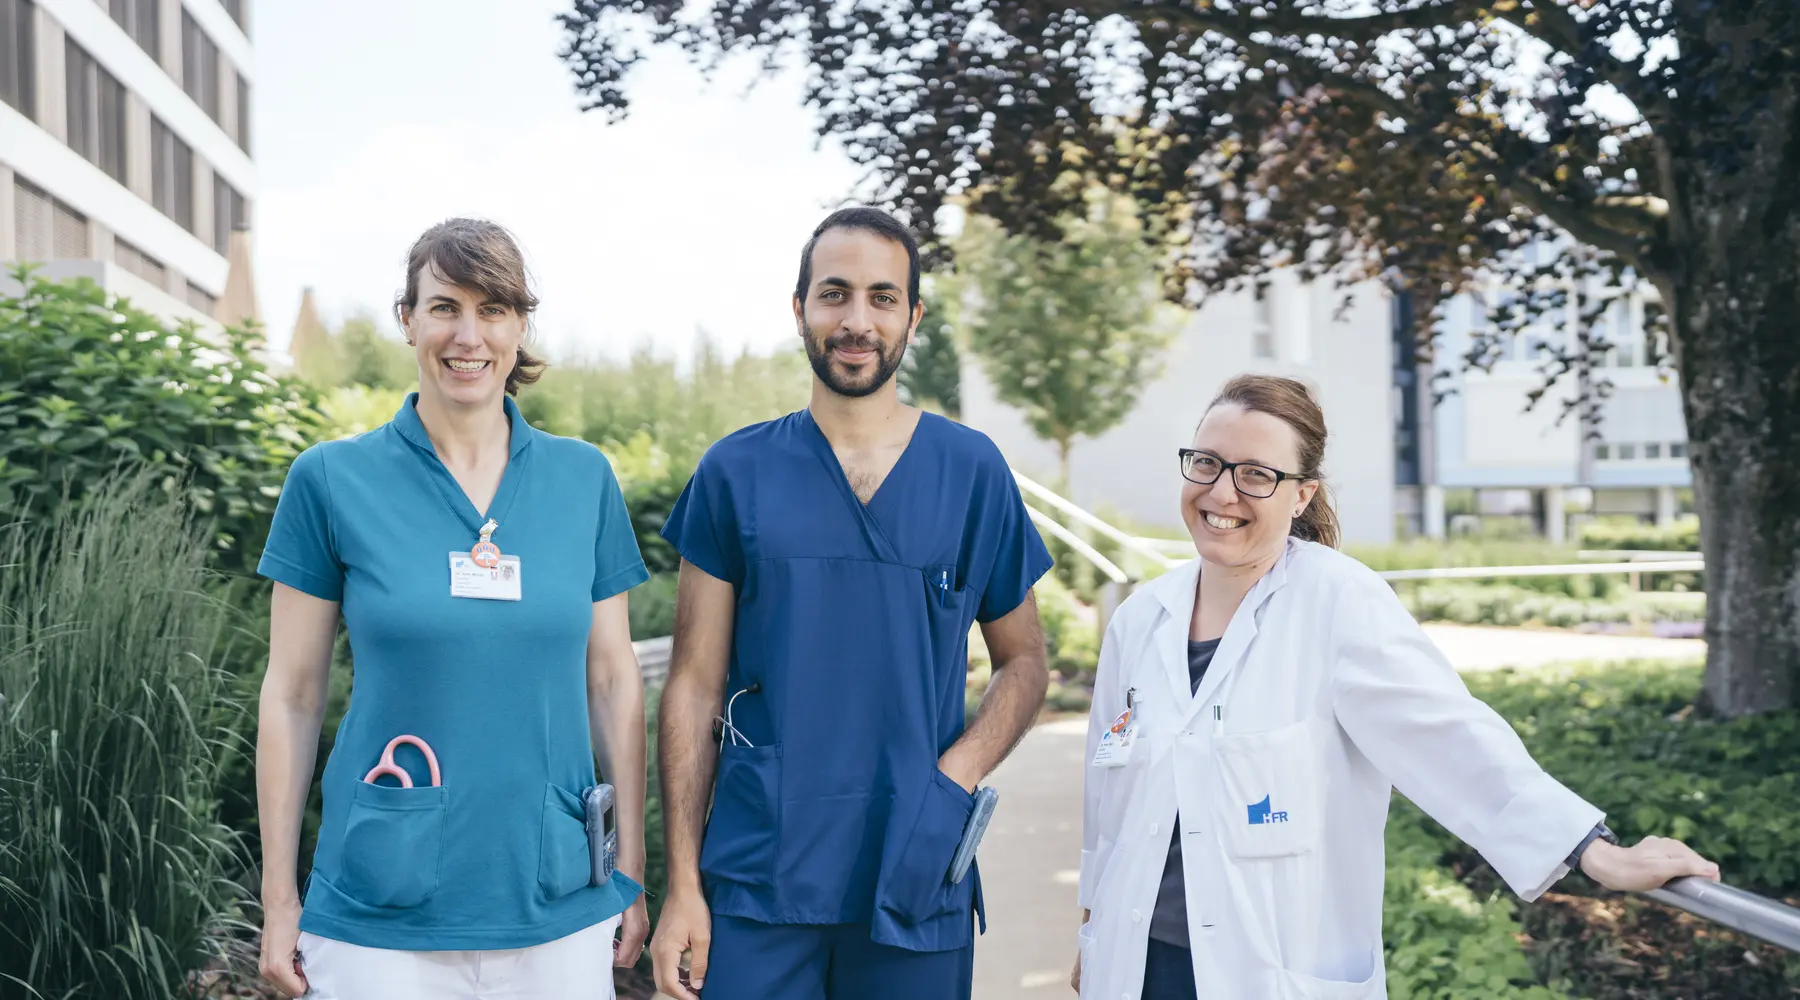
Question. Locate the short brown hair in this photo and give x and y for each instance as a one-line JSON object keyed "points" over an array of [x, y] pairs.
{"points": [[1291, 402], [482, 257]]}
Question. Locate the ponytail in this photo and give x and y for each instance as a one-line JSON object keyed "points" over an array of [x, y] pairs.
{"points": [[1319, 521]]}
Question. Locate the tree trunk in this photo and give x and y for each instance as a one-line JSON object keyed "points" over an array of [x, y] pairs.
{"points": [[1063, 486], [1733, 292]]}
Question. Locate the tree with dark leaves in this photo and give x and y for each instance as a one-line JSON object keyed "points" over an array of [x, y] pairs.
{"points": [[1423, 141], [931, 375]]}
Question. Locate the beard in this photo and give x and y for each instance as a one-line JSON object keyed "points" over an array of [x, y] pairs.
{"points": [[848, 382]]}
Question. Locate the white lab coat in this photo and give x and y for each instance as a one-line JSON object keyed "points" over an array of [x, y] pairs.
{"points": [[1323, 695]]}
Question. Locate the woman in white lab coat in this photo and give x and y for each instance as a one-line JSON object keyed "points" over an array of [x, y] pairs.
{"points": [[1252, 710]]}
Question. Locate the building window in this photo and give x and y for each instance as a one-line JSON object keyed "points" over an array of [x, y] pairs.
{"points": [[1653, 450], [69, 240], [199, 66], [96, 112], [1628, 452], [18, 65], [140, 21], [139, 263], [228, 213], [1603, 453], [243, 113], [201, 299], [1262, 337], [171, 175], [1678, 449]]}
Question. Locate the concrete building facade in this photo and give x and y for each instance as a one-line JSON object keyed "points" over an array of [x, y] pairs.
{"points": [[125, 138], [1541, 463], [1294, 329]]}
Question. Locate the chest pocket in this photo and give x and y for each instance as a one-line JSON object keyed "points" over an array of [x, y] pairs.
{"points": [[1270, 796]]}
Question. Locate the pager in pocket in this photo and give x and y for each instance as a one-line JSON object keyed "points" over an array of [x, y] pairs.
{"points": [[602, 832], [985, 800]]}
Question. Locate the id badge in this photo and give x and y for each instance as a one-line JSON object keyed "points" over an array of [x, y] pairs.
{"points": [[500, 582], [1117, 743]]}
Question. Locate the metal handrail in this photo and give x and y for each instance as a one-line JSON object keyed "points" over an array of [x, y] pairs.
{"points": [[1129, 541], [1637, 555], [1074, 541], [1740, 910], [1582, 569]]}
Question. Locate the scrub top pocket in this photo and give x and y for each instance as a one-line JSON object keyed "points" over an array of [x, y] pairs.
{"points": [[917, 886], [564, 862], [393, 841], [744, 828], [1270, 793]]}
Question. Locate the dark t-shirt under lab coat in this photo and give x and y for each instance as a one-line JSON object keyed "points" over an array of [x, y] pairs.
{"points": [[1168, 922]]}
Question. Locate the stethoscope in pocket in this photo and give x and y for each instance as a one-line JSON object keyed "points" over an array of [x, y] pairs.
{"points": [[386, 765], [723, 728]]}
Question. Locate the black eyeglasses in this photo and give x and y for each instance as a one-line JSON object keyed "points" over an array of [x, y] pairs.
{"points": [[1251, 480]]}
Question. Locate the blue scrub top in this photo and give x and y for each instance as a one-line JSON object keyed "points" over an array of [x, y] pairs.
{"points": [[496, 857], [853, 621]]}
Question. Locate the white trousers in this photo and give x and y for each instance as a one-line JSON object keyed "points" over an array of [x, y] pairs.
{"points": [[576, 967]]}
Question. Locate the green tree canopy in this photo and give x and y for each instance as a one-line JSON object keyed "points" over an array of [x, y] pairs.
{"points": [[931, 375], [1069, 330], [1429, 142]]}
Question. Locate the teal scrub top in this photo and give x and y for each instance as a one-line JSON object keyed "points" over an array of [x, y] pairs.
{"points": [[496, 856]]}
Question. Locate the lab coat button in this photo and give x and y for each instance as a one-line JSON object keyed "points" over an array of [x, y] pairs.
{"points": [[1153, 829], [1137, 916]]}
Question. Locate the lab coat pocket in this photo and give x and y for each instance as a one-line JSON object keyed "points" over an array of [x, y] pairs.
{"points": [[744, 828], [1270, 791], [918, 885], [563, 862], [1299, 986], [393, 840]]}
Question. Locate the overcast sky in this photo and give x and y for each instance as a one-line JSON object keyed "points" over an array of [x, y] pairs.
{"points": [[375, 120]]}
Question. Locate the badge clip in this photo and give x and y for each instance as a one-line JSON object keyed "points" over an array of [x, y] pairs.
{"points": [[485, 553]]}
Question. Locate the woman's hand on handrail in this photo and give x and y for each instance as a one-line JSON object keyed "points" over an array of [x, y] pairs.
{"points": [[1648, 864]]}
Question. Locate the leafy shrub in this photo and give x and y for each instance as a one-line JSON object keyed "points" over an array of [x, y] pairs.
{"points": [[683, 408], [1681, 536], [1442, 941], [1625, 737], [1501, 604], [88, 382], [353, 409], [652, 607], [115, 724]]}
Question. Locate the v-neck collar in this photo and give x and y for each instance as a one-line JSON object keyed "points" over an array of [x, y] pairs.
{"points": [[412, 429], [880, 544], [819, 432]]}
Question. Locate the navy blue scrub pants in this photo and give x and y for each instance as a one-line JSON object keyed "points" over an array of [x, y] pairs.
{"points": [[1168, 972], [756, 961]]}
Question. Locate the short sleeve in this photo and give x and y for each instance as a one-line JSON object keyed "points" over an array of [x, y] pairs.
{"points": [[703, 527], [1020, 557], [618, 565], [302, 548]]}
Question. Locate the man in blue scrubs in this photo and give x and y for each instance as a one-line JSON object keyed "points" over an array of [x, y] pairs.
{"points": [[833, 562]]}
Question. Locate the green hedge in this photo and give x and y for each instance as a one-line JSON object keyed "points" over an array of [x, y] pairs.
{"points": [[1625, 737], [1443, 941], [1682, 536], [88, 381], [1505, 604]]}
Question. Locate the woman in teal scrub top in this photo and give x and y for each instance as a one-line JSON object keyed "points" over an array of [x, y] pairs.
{"points": [[481, 567]]}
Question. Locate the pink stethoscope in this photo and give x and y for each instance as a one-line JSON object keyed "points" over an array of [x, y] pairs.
{"points": [[388, 767]]}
